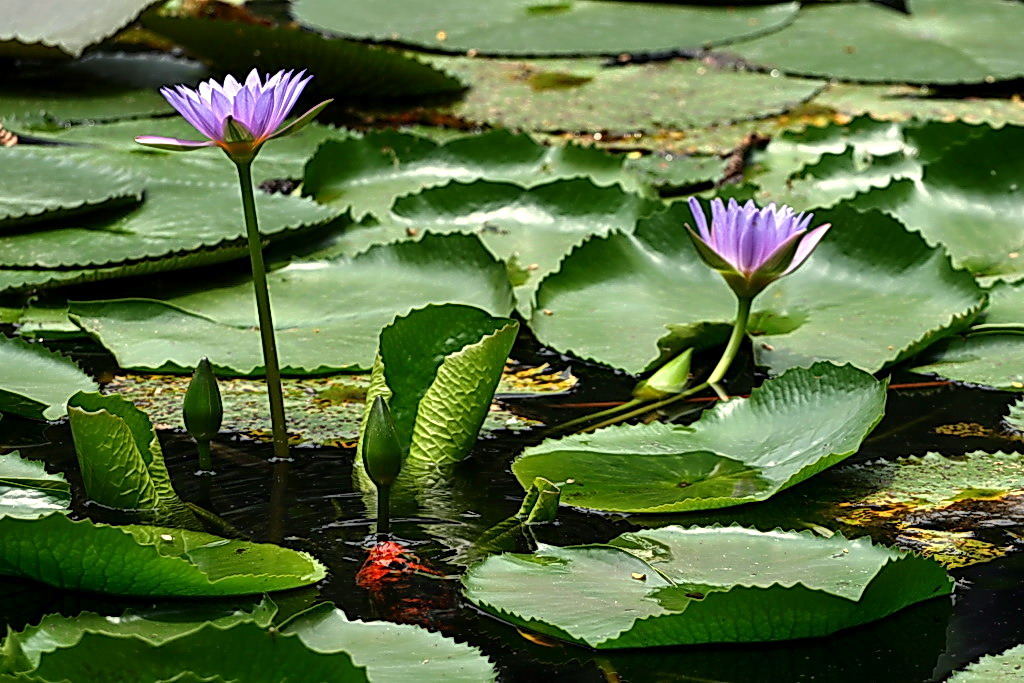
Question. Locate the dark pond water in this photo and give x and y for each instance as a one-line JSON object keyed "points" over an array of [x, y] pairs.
{"points": [[310, 504]]}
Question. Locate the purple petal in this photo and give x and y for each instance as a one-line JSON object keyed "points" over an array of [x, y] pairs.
{"points": [[806, 246], [700, 219], [172, 144]]}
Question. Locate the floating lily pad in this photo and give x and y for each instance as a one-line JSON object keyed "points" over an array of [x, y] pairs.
{"points": [[741, 451], [583, 95], [615, 297], [327, 313], [1005, 667], [28, 491], [53, 27], [934, 42], [37, 382], [991, 353], [527, 27], [970, 200], [70, 188], [675, 586], [367, 174], [343, 69], [902, 102], [96, 88]]}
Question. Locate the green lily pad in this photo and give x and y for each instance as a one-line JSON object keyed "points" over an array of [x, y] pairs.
{"points": [[991, 353], [1006, 667], [391, 653], [53, 27], [654, 280], [121, 461], [70, 188], [367, 174], [96, 88], [438, 368], [37, 382], [526, 27], [972, 41], [584, 95], [342, 68], [742, 451], [970, 200], [675, 586], [28, 491], [321, 326], [206, 652], [901, 102]]}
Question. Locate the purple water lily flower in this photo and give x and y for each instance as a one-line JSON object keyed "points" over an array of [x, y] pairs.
{"points": [[753, 247], [237, 117]]}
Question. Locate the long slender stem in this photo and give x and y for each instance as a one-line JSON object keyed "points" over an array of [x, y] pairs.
{"points": [[205, 457], [259, 281], [383, 511], [590, 417], [739, 332]]}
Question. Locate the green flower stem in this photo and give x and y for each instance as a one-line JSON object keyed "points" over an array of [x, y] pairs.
{"points": [[205, 457], [383, 511], [259, 281], [590, 417], [739, 332]]}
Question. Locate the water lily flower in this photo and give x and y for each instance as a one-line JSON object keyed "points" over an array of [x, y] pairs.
{"points": [[752, 247], [237, 117]]}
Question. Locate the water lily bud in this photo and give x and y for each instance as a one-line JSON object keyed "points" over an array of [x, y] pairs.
{"points": [[382, 453], [670, 379], [203, 410]]}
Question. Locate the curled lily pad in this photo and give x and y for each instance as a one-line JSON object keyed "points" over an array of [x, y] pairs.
{"points": [[675, 585], [37, 382]]}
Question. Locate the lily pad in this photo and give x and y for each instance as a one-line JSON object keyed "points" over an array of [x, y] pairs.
{"points": [[438, 368], [934, 42], [741, 451], [121, 462], [28, 491], [902, 102], [342, 68], [321, 326], [584, 95], [367, 174], [675, 586], [654, 280], [70, 188], [50, 26], [391, 653], [1006, 667], [526, 27], [970, 200], [37, 382]]}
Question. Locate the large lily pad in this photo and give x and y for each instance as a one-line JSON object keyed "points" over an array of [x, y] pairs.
{"points": [[970, 200], [327, 313], [674, 586], [37, 382], [342, 68], [615, 297], [584, 95], [99, 87], [741, 451], [367, 174], [1006, 667], [525, 27], [28, 491], [935, 42], [70, 188], [59, 25]]}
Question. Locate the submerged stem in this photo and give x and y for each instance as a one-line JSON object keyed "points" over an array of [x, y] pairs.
{"points": [[259, 281], [590, 417], [383, 510], [205, 457]]}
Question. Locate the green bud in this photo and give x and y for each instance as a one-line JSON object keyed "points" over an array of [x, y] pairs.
{"points": [[382, 453], [203, 409], [671, 378]]}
